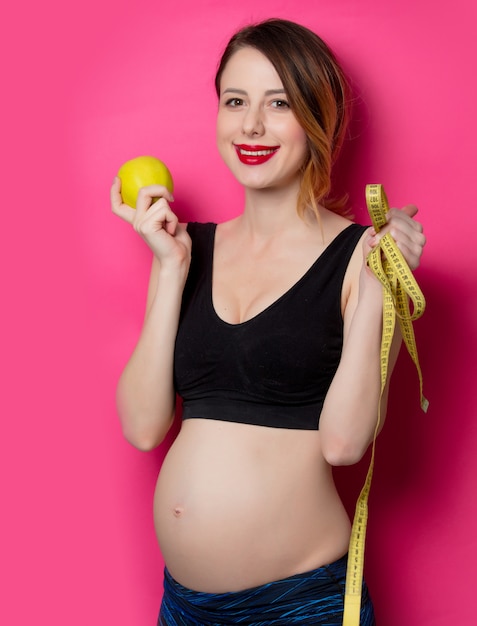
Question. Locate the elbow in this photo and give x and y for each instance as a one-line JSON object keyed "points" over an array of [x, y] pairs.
{"points": [[144, 439], [340, 451], [144, 427], [143, 430], [140, 441]]}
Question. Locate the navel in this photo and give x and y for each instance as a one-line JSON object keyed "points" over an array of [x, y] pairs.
{"points": [[178, 511]]}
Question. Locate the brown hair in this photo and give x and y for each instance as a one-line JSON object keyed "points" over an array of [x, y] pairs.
{"points": [[318, 93]]}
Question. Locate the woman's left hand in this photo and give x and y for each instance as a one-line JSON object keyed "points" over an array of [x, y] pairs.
{"points": [[406, 231]]}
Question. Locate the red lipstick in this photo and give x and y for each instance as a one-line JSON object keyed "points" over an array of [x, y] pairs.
{"points": [[255, 155]]}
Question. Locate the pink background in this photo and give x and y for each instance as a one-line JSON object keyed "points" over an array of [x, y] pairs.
{"points": [[89, 85]]}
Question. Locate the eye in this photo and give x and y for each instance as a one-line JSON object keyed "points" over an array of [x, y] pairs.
{"points": [[280, 104], [234, 102]]}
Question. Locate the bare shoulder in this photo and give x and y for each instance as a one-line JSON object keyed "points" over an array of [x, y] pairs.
{"points": [[332, 224], [228, 228]]}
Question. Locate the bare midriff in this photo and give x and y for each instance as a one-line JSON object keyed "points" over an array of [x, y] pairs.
{"points": [[237, 506]]}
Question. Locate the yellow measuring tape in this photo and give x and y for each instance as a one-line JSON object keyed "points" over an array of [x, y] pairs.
{"points": [[399, 287]]}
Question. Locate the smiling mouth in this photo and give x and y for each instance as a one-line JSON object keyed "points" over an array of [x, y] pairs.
{"points": [[257, 152], [255, 155]]}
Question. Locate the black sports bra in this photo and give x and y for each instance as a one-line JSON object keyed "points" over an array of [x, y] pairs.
{"points": [[274, 369]]}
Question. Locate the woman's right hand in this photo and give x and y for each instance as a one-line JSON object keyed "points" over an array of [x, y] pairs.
{"points": [[155, 223]]}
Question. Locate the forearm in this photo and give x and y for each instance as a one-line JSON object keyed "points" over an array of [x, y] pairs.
{"points": [[350, 412], [145, 392]]}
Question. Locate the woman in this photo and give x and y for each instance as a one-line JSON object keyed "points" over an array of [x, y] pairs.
{"points": [[269, 327]]}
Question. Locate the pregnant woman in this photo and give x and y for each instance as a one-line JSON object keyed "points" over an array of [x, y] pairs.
{"points": [[268, 326]]}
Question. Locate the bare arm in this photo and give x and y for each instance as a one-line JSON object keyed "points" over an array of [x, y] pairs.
{"points": [[145, 391], [349, 415]]}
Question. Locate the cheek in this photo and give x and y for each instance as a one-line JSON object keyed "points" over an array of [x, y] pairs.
{"points": [[218, 131], [221, 140], [302, 143], [294, 134], [222, 129], [217, 126], [298, 136], [225, 122]]}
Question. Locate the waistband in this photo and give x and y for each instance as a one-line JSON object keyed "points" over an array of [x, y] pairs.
{"points": [[314, 597], [240, 409]]}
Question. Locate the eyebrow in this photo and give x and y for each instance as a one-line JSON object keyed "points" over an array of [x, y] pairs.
{"points": [[269, 92]]}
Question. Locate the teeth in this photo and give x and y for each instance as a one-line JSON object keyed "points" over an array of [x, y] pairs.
{"points": [[257, 153]]}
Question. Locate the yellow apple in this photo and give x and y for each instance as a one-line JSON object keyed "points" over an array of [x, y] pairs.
{"points": [[141, 172]]}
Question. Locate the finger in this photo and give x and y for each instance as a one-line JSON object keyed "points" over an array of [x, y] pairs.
{"points": [[157, 217], [120, 209], [400, 229], [168, 219], [401, 220], [409, 209], [116, 192], [409, 240], [411, 252], [146, 195], [171, 223], [405, 232]]}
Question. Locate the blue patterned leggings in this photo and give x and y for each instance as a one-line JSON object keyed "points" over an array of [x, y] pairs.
{"points": [[311, 599]]}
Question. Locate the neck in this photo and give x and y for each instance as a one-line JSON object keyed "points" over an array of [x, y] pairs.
{"points": [[269, 211]]}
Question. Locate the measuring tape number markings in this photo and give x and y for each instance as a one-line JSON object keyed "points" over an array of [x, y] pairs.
{"points": [[399, 287]]}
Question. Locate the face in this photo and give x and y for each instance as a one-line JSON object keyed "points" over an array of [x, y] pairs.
{"points": [[258, 136]]}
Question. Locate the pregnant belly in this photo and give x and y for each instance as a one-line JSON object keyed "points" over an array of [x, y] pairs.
{"points": [[238, 505]]}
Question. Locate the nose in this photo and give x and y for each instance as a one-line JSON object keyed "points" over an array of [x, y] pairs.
{"points": [[253, 123]]}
